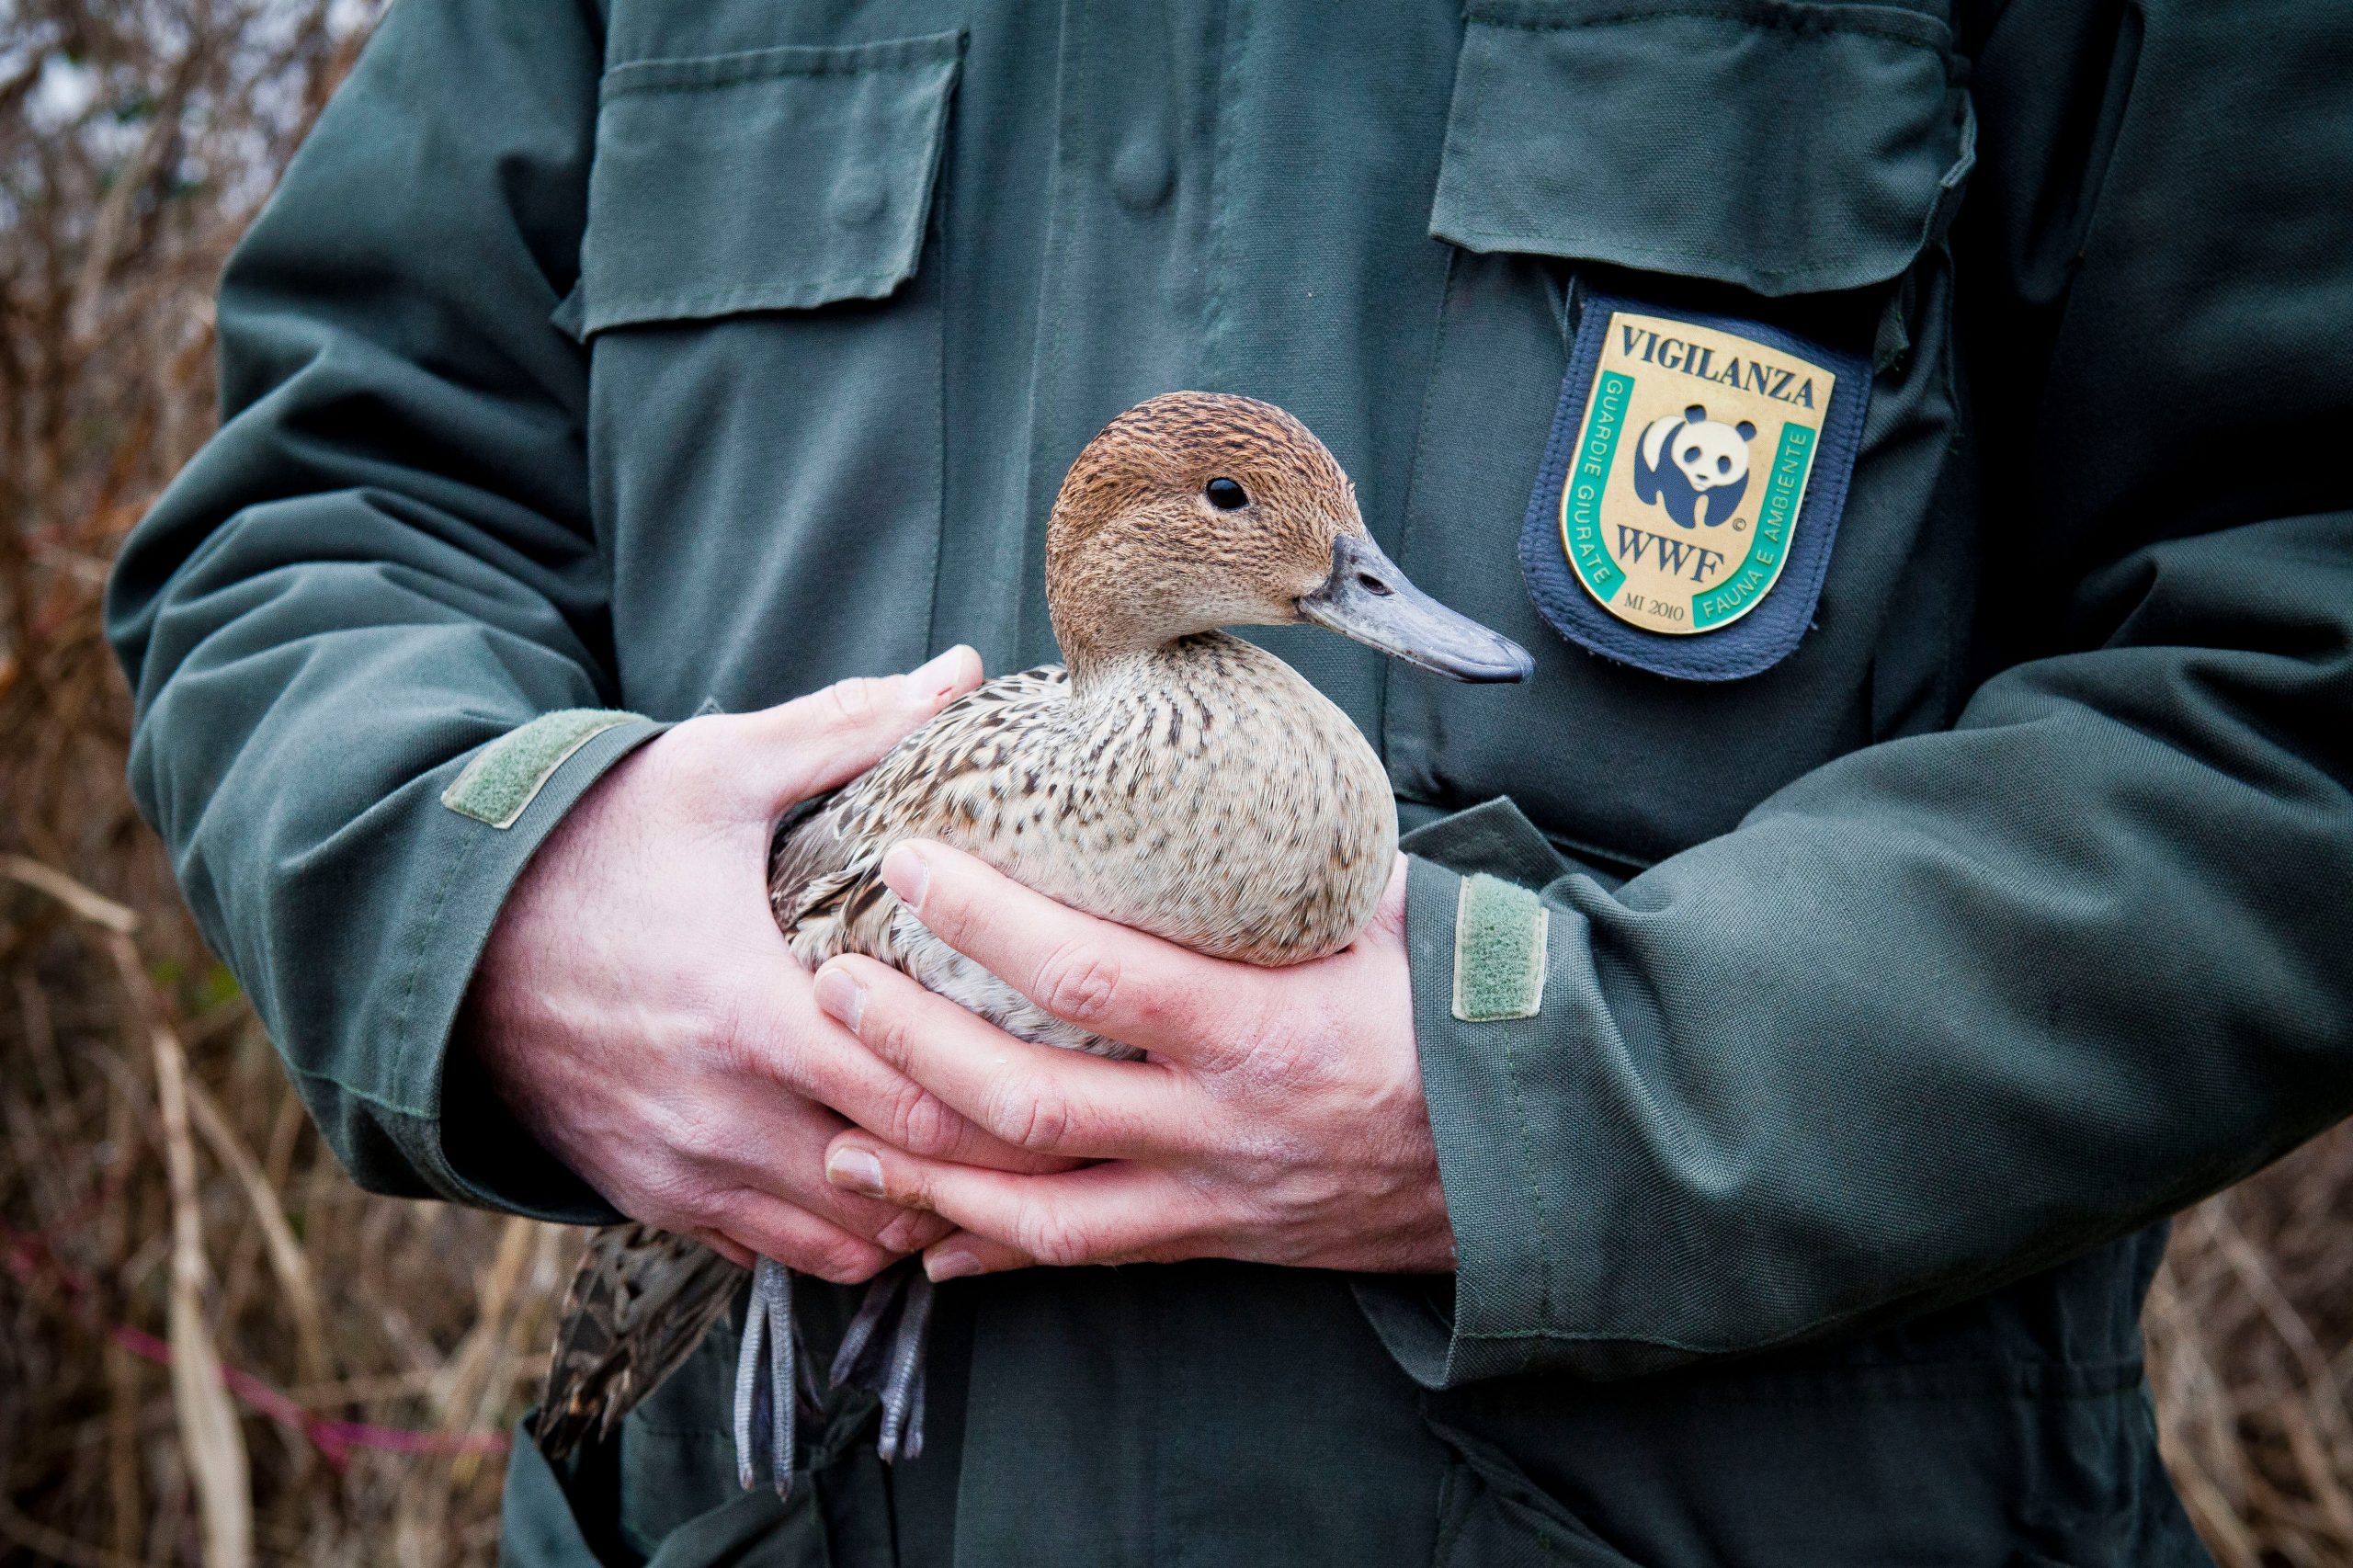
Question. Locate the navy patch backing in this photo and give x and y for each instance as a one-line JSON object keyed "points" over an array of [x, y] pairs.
{"points": [[1692, 487]]}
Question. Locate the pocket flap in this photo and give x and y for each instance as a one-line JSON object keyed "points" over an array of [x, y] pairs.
{"points": [[1786, 148], [771, 180]]}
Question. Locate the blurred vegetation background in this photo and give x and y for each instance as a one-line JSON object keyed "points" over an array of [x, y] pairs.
{"points": [[214, 1349]]}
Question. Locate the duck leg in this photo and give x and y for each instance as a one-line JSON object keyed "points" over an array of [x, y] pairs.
{"points": [[911, 1443], [884, 1349], [902, 1379], [858, 1339], [766, 1395]]}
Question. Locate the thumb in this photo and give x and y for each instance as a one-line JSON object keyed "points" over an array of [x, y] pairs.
{"points": [[832, 735]]}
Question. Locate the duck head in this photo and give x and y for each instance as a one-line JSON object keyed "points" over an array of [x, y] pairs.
{"points": [[1194, 511]]}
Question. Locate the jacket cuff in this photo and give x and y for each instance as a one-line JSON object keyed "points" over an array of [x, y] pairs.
{"points": [[503, 802], [1473, 1067], [1501, 987]]}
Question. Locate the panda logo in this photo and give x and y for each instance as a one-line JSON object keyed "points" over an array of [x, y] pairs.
{"points": [[1694, 466]]}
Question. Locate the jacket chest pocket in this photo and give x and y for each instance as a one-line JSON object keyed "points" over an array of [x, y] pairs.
{"points": [[765, 325], [1784, 172]]}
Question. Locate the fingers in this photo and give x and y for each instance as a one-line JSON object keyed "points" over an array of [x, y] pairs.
{"points": [[824, 740], [913, 1223], [1118, 982], [734, 1251], [912, 1231], [963, 1254], [1388, 922], [782, 1155], [761, 1224], [1106, 1213], [1034, 1097], [809, 1053]]}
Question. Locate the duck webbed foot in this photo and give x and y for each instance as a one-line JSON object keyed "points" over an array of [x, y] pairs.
{"points": [[883, 1350], [767, 1372]]}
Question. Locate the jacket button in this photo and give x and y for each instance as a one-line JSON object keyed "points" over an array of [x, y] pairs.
{"points": [[859, 195], [1142, 174]]}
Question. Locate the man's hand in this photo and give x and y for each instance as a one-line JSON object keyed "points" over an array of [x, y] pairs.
{"points": [[1278, 1119], [638, 1009]]}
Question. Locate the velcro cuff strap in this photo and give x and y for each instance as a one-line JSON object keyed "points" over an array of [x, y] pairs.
{"points": [[1499, 931], [506, 775]]}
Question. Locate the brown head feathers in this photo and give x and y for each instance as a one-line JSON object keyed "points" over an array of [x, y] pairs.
{"points": [[1190, 512]]}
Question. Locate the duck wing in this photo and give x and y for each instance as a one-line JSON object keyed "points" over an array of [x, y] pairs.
{"points": [[960, 778], [825, 877]]}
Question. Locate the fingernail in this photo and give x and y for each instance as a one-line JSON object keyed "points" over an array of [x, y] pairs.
{"points": [[953, 1263], [936, 676], [895, 1237], [856, 1169], [904, 873], [843, 999]]}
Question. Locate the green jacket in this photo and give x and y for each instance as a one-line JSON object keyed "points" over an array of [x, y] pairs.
{"points": [[642, 356]]}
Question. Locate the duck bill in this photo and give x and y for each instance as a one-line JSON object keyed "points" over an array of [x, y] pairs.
{"points": [[1368, 599]]}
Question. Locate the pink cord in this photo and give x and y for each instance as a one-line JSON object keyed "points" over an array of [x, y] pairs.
{"points": [[32, 1255]]}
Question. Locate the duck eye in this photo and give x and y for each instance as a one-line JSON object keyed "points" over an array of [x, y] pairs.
{"points": [[1225, 495]]}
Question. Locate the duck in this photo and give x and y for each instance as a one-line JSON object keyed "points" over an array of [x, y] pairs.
{"points": [[1166, 775]]}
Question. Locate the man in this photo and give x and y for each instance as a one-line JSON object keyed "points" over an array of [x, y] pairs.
{"points": [[1909, 441]]}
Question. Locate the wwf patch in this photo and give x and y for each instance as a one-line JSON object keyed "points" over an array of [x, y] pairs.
{"points": [[1691, 489]]}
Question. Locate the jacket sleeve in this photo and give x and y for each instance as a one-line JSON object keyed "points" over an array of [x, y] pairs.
{"points": [[379, 565], [1956, 1006]]}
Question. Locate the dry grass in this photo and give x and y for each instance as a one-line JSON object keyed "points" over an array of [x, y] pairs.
{"points": [[161, 1197], [161, 1194], [2251, 1347]]}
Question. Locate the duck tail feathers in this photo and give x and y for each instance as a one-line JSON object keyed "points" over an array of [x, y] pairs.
{"points": [[639, 1303]]}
